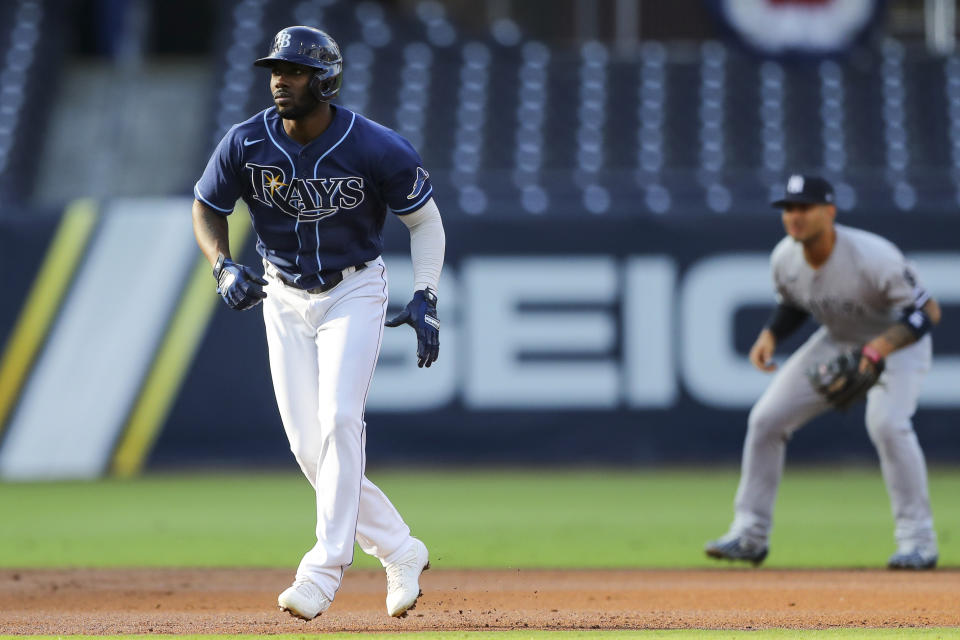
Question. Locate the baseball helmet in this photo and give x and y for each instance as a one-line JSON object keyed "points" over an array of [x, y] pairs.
{"points": [[312, 48]]}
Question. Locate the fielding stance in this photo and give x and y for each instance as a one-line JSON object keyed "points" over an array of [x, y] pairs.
{"points": [[318, 180], [875, 317]]}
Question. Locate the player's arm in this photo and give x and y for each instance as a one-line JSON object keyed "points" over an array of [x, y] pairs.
{"points": [[784, 321], [210, 230], [919, 311], [427, 246], [214, 196], [913, 325], [239, 286]]}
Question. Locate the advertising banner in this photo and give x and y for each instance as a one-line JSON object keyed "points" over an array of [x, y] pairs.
{"points": [[574, 341]]}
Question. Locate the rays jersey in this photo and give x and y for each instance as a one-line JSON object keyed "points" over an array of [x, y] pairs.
{"points": [[316, 208], [858, 293]]}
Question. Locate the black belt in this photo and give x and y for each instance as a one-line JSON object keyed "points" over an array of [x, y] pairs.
{"points": [[329, 279]]}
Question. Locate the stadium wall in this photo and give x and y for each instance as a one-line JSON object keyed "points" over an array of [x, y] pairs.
{"points": [[587, 341]]}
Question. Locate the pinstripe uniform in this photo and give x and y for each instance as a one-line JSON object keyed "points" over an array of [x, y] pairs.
{"points": [[858, 293]]}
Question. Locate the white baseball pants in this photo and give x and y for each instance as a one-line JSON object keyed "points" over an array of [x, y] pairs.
{"points": [[790, 402], [323, 351]]}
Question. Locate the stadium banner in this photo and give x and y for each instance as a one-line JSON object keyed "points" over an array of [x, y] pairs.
{"points": [[588, 340], [797, 27]]}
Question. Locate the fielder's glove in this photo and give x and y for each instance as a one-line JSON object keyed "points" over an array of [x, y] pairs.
{"points": [[421, 314], [842, 382], [237, 284]]}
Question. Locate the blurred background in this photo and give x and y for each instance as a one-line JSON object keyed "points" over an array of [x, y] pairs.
{"points": [[603, 169]]}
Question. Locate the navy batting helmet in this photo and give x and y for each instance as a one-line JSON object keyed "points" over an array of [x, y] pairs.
{"points": [[312, 48]]}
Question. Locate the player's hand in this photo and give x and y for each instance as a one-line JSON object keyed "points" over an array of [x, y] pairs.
{"points": [[761, 353], [844, 380], [239, 286], [421, 314]]}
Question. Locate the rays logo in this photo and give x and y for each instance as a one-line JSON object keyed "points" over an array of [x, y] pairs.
{"points": [[304, 199], [418, 183]]}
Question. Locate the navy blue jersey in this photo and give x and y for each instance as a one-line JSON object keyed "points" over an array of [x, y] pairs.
{"points": [[320, 207]]}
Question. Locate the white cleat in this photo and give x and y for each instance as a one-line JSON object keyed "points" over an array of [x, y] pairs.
{"points": [[303, 599], [403, 579]]}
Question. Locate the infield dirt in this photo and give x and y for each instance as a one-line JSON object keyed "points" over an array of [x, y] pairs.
{"points": [[212, 601]]}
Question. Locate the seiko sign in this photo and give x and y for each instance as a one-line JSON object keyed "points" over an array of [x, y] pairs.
{"points": [[600, 332]]}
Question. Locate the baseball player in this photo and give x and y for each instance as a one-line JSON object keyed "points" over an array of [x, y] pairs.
{"points": [[318, 180], [870, 304]]}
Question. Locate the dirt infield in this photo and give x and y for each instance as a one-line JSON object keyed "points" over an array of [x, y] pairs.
{"points": [[211, 601]]}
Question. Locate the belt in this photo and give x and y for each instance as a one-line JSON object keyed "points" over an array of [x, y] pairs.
{"points": [[329, 280]]}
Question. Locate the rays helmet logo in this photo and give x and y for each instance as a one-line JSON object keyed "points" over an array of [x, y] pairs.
{"points": [[304, 198], [282, 41]]}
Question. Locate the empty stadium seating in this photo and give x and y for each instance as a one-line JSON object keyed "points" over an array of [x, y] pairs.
{"points": [[509, 126]]}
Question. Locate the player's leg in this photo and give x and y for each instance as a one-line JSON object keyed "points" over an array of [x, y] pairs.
{"points": [[293, 367], [382, 533], [891, 404], [347, 347], [786, 405]]}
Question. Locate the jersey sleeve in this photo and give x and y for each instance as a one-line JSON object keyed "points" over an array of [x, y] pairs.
{"points": [[898, 282], [405, 184], [220, 185], [782, 292]]}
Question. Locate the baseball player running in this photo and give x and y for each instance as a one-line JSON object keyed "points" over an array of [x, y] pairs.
{"points": [[875, 318], [318, 180]]}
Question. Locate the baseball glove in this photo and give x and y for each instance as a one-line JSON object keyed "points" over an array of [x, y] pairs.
{"points": [[840, 380]]}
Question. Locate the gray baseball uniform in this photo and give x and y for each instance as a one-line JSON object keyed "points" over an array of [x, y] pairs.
{"points": [[856, 295]]}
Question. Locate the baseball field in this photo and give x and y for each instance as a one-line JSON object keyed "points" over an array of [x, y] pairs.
{"points": [[524, 554]]}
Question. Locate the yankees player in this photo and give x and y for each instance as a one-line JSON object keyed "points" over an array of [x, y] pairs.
{"points": [[865, 296], [318, 180]]}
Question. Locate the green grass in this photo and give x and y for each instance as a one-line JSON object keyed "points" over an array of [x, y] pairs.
{"points": [[767, 634], [651, 518]]}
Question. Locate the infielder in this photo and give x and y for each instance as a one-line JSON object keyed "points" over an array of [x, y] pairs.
{"points": [[875, 318], [318, 180]]}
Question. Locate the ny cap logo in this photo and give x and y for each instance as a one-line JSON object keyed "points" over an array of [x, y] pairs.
{"points": [[795, 184]]}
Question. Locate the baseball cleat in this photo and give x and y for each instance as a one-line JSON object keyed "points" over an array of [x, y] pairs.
{"points": [[403, 579], [303, 599], [914, 558], [736, 547]]}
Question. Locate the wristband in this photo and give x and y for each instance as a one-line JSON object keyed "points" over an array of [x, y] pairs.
{"points": [[871, 354], [218, 266], [917, 321]]}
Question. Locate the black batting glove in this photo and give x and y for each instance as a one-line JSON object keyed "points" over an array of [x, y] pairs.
{"points": [[421, 314], [239, 286]]}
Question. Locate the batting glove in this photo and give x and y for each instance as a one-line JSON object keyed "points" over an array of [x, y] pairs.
{"points": [[237, 284], [421, 314]]}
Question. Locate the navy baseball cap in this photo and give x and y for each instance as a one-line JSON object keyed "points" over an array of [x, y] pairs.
{"points": [[806, 190]]}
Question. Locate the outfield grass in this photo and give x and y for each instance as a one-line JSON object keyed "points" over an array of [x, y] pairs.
{"points": [[658, 518]]}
